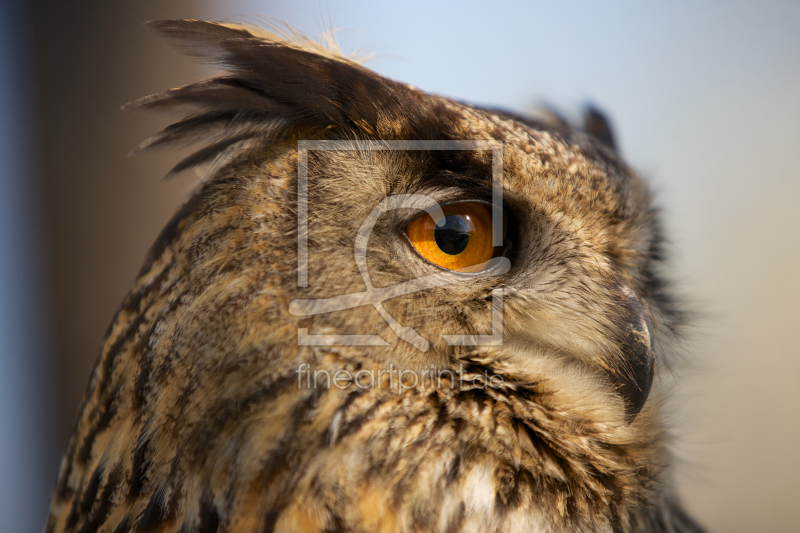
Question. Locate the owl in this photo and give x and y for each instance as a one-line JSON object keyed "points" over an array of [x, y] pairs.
{"points": [[381, 311]]}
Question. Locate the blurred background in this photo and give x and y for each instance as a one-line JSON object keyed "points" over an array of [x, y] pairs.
{"points": [[705, 98]]}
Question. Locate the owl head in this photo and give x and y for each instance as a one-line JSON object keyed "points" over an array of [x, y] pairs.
{"points": [[524, 246], [380, 308]]}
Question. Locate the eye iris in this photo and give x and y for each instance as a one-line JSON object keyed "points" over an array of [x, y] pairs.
{"points": [[463, 242], [453, 237]]}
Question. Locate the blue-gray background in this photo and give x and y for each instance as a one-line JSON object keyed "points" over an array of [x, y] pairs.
{"points": [[705, 98]]}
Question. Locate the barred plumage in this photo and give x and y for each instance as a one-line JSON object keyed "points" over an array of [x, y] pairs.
{"points": [[201, 414]]}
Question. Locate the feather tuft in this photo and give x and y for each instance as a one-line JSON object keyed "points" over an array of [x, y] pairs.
{"points": [[277, 80]]}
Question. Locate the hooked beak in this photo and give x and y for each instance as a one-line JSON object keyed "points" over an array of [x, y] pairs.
{"points": [[635, 373]]}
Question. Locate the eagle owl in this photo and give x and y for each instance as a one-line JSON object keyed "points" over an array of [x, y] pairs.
{"points": [[382, 311]]}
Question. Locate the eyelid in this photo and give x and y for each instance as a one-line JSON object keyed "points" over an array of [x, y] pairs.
{"points": [[407, 219]]}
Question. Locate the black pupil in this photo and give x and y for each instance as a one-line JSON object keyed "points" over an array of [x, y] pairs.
{"points": [[453, 237]]}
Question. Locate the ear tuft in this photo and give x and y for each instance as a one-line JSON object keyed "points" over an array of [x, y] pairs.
{"points": [[597, 125], [276, 83]]}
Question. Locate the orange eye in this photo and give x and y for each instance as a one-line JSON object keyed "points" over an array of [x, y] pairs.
{"points": [[464, 241]]}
